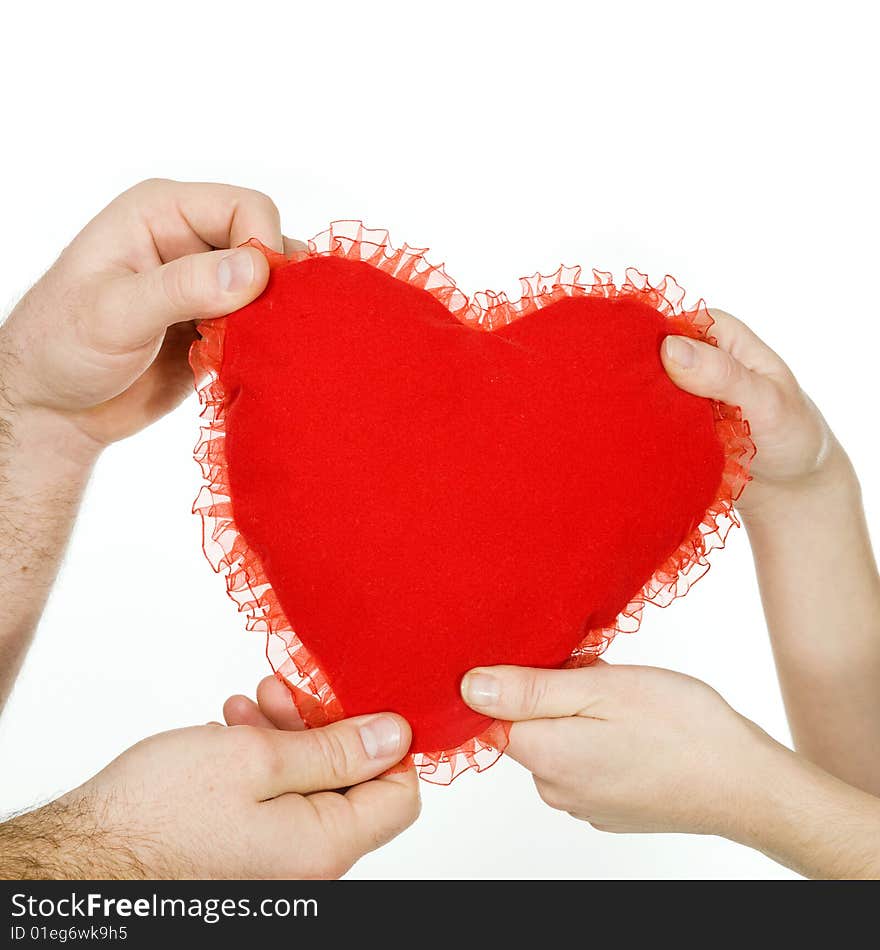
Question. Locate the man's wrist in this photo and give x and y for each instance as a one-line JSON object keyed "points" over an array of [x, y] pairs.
{"points": [[63, 841], [39, 434], [45, 444]]}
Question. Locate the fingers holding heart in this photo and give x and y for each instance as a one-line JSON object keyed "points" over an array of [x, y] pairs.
{"points": [[279, 703], [239, 710]]}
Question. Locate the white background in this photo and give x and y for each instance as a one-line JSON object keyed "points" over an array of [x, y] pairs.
{"points": [[733, 146]]}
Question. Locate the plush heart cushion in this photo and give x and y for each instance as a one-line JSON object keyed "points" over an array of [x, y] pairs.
{"points": [[425, 496]]}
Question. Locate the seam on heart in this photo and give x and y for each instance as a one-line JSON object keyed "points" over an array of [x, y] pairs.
{"points": [[246, 581]]}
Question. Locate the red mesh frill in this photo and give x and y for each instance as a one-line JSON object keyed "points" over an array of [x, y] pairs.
{"points": [[246, 582]]}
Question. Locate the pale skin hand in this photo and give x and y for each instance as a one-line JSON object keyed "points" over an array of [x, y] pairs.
{"points": [[816, 570], [212, 802], [796, 449], [635, 749]]}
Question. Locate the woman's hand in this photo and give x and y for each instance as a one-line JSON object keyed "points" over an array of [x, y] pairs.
{"points": [[795, 447], [217, 802], [629, 748], [816, 570], [97, 349]]}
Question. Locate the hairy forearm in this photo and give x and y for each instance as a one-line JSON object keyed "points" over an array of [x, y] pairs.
{"points": [[44, 467], [810, 821], [67, 840], [821, 596]]}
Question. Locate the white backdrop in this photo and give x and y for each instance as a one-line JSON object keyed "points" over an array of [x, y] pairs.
{"points": [[733, 146]]}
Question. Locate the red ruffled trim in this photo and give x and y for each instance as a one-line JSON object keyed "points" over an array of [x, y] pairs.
{"points": [[246, 582]]}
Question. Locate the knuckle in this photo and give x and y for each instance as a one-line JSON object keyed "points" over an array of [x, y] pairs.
{"points": [[526, 744], [552, 795], [270, 757], [337, 755], [237, 739], [534, 693], [535, 754], [264, 202], [601, 826], [180, 284], [321, 865], [724, 370], [401, 815], [332, 866], [775, 407], [149, 185], [414, 807], [255, 749], [696, 687], [331, 859], [692, 693]]}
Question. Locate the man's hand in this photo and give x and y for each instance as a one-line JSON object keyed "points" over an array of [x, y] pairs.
{"points": [[273, 708], [94, 352], [217, 802], [100, 343], [97, 350]]}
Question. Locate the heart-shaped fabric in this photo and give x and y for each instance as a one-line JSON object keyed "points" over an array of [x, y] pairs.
{"points": [[403, 484]]}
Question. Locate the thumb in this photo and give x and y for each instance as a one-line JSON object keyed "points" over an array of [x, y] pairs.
{"points": [[516, 693], [136, 309], [340, 755], [706, 370]]}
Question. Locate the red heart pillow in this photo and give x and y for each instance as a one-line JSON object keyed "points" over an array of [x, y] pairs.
{"points": [[417, 484]]}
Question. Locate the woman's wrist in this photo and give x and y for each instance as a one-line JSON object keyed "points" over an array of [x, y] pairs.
{"points": [[832, 483], [804, 818]]}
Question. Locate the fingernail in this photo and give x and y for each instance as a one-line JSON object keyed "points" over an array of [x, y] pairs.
{"points": [[681, 351], [480, 689], [235, 271], [381, 737]]}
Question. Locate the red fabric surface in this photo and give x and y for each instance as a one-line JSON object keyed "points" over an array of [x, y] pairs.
{"points": [[425, 497]]}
